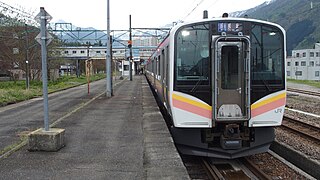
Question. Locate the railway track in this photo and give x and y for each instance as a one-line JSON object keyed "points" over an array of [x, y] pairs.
{"points": [[242, 168], [305, 129], [313, 93]]}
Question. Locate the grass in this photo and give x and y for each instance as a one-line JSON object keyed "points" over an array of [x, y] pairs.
{"points": [[15, 91], [307, 82], [14, 146]]}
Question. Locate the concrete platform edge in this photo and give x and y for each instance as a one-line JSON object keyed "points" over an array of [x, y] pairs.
{"points": [[161, 159]]}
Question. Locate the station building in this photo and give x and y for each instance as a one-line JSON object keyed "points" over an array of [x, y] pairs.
{"points": [[304, 64]]}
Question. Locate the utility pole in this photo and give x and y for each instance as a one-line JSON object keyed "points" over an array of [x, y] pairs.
{"points": [[108, 55], [130, 48], [44, 66]]}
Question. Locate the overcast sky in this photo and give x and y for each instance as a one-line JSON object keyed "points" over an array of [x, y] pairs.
{"points": [[145, 13]]}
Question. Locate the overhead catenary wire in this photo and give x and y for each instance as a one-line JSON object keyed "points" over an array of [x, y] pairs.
{"points": [[21, 15], [193, 9]]}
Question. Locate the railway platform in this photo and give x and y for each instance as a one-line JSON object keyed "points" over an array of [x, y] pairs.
{"points": [[123, 137]]}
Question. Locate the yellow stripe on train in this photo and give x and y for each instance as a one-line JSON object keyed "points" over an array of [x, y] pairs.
{"points": [[192, 102], [267, 101]]}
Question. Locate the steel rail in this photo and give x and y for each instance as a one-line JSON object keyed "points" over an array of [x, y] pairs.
{"points": [[305, 129], [247, 170], [213, 172], [313, 93], [254, 169]]}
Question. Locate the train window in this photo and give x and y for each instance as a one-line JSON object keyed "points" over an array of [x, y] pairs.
{"points": [[162, 64], [192, 53], [230, 70], [267, 57], [158, 66], [152, 66]]}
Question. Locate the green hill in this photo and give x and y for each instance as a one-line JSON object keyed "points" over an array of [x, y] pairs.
{"points": [[300, 18]]}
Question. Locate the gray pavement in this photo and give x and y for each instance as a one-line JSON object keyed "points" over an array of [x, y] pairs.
{"points": [[123, 137], [27, 116], [302, 86]]}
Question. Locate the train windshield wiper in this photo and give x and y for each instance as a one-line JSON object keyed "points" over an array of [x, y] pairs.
{"points": [[266, 84], [195, 87]]}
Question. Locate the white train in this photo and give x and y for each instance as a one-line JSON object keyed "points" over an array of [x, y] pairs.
{"points": [[222, 82]]}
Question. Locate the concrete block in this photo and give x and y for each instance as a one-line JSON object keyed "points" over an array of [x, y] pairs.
{"points": [[41, 140]]}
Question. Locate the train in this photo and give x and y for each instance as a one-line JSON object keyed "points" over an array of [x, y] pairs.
{"points": [[222, 82]]}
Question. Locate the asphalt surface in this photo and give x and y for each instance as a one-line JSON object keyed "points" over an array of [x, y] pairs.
{"points": [[123, 137], [28, 116]]}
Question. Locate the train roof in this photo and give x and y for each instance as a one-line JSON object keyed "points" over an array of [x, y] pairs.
{"points": [[175, 28]]}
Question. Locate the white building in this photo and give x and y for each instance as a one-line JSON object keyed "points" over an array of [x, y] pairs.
{"points": [[119, 54], [304, 64], [149, 41]]}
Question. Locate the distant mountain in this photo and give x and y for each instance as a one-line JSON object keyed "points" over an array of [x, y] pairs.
{"points": [[300, 18], [251, 10]]}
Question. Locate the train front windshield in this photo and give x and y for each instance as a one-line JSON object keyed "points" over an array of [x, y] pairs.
{"points": [[193, 57], [267, 57]]}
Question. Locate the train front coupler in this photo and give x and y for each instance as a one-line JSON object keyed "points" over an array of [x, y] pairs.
{"points": [[231, 138]]}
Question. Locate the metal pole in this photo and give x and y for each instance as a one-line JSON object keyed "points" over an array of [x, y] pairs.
{"points": [[78, 68], [27, 75], [44, 67], [111, 59], [130, 58], [108, 55], [27, 58], [88, 69]]}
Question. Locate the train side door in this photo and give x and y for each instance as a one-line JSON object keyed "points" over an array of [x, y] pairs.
{"points": [[166, 79], [231, 95]]}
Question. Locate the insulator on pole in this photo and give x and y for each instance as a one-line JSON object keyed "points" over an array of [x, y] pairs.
{"points": [[205, 14]]}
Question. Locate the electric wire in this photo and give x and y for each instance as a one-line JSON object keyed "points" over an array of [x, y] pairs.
{"points": [[194, 9]]}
